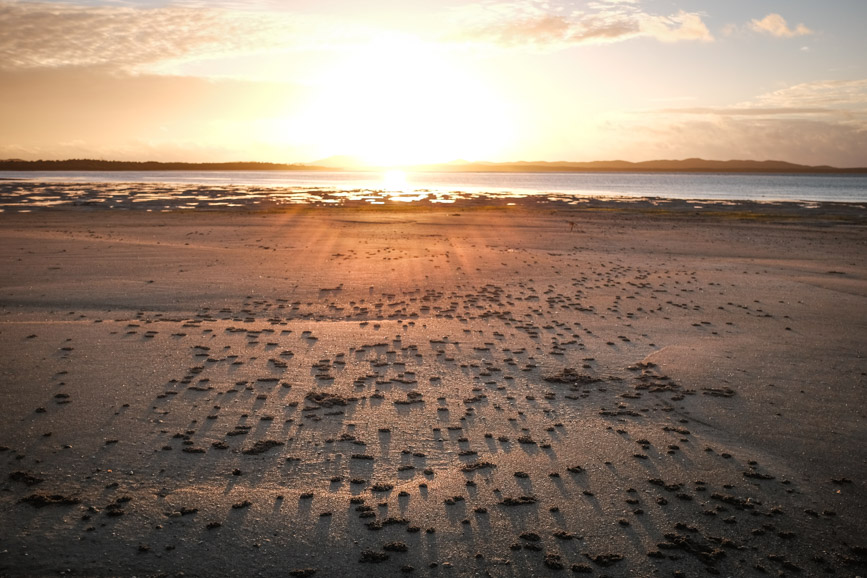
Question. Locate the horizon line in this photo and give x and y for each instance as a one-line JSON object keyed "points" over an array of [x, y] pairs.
{"points": [[340, 163]]}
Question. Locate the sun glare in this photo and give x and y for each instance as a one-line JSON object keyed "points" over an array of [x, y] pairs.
{"points": [[394, 180], [399, 101]]}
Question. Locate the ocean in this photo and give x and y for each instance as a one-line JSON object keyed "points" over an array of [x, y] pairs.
{"points": [[168, 190]]}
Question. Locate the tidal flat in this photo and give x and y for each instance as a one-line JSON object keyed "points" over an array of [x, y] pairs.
{"points": [[619, 388]]}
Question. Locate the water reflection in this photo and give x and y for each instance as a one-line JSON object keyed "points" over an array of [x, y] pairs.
{"points": [[394, 189], [395, 181], [17, 196]]}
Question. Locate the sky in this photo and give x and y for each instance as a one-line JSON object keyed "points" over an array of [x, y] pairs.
{"points": [[393, 82]]}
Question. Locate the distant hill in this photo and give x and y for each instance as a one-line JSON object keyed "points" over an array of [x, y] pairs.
{"points": [[672, 166], [339, 163]]}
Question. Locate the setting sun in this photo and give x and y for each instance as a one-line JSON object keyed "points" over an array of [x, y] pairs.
{"points": [[400, 101]]}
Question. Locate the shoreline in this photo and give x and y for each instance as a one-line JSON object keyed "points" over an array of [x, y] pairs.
{"points": [[613, 388], [189, 190], [154, 198]]}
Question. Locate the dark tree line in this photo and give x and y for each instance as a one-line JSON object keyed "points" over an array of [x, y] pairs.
{"points": [[101, 165]]}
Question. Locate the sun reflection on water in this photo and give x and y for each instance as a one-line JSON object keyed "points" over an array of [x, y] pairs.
{"points": [[397, 188], [394, 181]]}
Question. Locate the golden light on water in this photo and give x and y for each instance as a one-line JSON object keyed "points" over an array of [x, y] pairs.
{"points": [[395, 181], [396, 186]]}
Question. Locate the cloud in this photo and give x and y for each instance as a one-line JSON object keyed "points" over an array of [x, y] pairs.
{"points": [[158, 36], [41, 34], [821, 122], [845, 98], [776, 26], [554, 26], [543, 29], [683, 26], [745, 111], [805, 141], [838, 94]]}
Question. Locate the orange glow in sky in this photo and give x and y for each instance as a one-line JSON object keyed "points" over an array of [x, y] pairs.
{"points": [[397, 83], [398, 101]]}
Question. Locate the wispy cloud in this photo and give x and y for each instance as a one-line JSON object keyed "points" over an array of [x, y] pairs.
{"points": [[551, 25], [815, 122], [848, 95], [38, 34], [843, 97], [746, 111], [796, 140], [683, 26], [776, 26], [153, 36]]}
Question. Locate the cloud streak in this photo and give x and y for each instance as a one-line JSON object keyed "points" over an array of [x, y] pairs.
{"points": [[58, 35], [845, 98], [822, 122], [135, 39], [553, 26], [746, 111], [775, 25], [839, 94]]}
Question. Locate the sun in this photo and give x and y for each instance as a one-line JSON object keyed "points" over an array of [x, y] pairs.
{"points": [[398, 101]]}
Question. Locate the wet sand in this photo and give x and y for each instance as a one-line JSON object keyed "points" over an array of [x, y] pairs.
{"points": [[617, 389]]}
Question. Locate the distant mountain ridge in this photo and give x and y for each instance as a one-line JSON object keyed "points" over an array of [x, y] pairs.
{"points": [[685, 165], [351, 164]]}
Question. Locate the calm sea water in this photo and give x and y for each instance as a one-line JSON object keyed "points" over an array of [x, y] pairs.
{"points": [[239, 188]]}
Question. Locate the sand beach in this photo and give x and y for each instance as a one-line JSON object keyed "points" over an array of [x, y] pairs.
{"points": [[616, 388]]}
